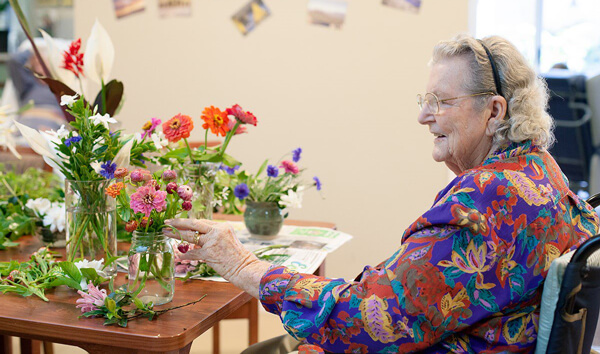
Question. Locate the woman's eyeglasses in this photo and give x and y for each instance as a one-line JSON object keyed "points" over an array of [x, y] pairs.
{"points": [[432, 102]]}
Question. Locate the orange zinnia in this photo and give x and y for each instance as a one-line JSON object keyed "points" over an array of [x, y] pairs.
{"points": [[178, 127], [216, 120], [114, 189]]}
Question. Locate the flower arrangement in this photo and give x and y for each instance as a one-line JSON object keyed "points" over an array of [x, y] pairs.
{"points": [[222, 123], [153, 199], [282, 184]]}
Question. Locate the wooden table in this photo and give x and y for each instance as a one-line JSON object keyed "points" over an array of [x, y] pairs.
{"points": [[173, 332]]}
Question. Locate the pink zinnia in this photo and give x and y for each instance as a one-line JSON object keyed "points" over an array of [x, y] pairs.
{"points": [[289, 167], [147, 198], [150, 127], [91, 300], [240, 129], [241, 116]]}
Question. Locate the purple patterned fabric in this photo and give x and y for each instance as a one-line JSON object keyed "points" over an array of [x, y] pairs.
{"points": [[467, 277]]}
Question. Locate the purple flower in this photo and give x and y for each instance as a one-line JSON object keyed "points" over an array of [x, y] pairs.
{"points": [[150, 127], [171, 187], [108, 169], [147, 198], [272, 171], [296, 154], [318, 183], [72, 140], [230, 170], [241, 191]]}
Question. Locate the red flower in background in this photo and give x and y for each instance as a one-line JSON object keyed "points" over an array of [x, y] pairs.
{"points": [[178, 127], [216, 120], [72, 59], [241, 116]]}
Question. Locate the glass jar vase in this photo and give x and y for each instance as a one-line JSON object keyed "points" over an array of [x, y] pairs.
{"points": [[263, 219], [91, 222], [151, 267], [201, 178]]}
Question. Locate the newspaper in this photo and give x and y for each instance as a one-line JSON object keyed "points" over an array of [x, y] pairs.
{"points": [[307, 246]]}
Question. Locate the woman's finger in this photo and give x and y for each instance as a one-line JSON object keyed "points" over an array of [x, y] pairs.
{"points": [[193, 255], [190, 224], [189, 236]]}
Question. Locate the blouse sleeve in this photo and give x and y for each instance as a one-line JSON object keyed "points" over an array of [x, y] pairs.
{"points": [[440, 281]]}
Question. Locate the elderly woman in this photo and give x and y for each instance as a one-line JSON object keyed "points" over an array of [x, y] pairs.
{"points": [[468, 274]]}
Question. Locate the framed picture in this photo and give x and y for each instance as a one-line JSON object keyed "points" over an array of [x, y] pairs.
{"points": [[327, 12], [127, 7], [408, 5]]}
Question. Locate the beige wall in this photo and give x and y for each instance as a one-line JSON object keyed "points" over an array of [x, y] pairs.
{"points": [[347, 97]]}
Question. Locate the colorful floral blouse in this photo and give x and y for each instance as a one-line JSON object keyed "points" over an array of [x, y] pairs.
{"points": [[467, 278]]}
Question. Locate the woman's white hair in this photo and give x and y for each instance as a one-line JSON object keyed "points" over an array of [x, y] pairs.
{"points": [[525, 93]]}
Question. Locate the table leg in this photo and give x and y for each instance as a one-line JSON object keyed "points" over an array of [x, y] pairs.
{"points": [[253, 322], [216, 343], [30, 346], [186, 349], [6, 344], [48, 348]]}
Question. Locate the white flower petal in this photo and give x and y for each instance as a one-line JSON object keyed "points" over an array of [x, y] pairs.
{"points": [[36, 140], [99, 54], [123, 157]]}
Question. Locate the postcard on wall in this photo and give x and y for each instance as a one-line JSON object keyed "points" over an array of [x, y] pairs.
{"points": [[407, 5], [327, 12], [127, 7], [171, 8], [249, 16]]}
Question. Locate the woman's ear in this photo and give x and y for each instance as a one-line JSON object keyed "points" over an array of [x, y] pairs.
{"points": [[497, 109]]}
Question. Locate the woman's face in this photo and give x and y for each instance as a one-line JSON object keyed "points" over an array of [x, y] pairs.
{"points": [[462, 139]]}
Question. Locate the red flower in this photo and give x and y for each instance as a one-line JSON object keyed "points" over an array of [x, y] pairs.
{"points": [[72, 59], [216, 120], [178, 127], [240, 129], [241, 116]]}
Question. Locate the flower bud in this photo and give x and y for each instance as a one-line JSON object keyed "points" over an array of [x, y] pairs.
{"points": [[146, 222], [169, 175], [171, 187], [121, 172], [185, 192], [13, 275], [131, 225], [187, 205], [183, 247], [140, 175]]}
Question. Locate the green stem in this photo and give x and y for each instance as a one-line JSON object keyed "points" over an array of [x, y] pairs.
{"points": [[189, 150], [228, 138], [103, 92], [205, 140]]}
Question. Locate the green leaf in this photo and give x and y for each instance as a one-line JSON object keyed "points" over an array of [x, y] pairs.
{"points": [[71, 270], [138, 303], [262, 168], [90, 274], [63, 281], [110, 304], [177, 153]]}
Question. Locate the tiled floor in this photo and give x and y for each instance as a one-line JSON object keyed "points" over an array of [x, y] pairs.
{"points": [[234, 337]]}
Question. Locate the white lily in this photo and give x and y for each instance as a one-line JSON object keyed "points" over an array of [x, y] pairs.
{"points": [[97, 166], [97, 265], [36, 141], [104, 119], [159, 140], [123, 157], [292, 199], [7, 139], [99, 55]]}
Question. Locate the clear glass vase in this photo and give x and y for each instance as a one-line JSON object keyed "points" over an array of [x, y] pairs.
{"points": [[91, 222], [263, 219], [201, 178], [151, 267]]}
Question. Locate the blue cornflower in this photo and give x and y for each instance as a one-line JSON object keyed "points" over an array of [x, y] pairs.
{"points": [[230, 170], [241, 191], [74, 139], [296, 154], [108, 169], [318, 183], [272, 171]]}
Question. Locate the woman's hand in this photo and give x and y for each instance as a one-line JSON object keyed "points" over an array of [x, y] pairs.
{"points": [[220, 249]]}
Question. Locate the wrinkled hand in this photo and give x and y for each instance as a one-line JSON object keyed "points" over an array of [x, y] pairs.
{"points": [[220, 249]]}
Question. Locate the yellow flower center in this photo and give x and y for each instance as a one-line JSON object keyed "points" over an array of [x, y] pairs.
{"points": [[218, 119], [147, 126], [175, 124]]}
